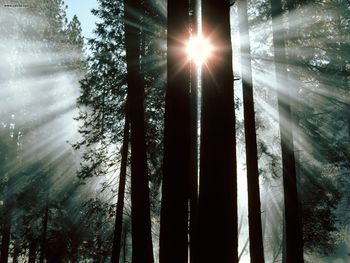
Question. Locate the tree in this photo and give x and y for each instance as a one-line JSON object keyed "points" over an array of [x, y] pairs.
{"points": [[254, 210], [174, 211], [293, 229], [121, 193], [217, 204], [141, 222], [8, 174]]}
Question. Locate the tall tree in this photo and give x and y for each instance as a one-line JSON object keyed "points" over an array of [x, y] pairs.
{"points": [[217, 207], [254, 209], [293, 228], [174, 211], [121, 193], [140, 212]]}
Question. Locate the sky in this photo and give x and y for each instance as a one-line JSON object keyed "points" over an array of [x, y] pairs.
{"points": [[82, 8]]}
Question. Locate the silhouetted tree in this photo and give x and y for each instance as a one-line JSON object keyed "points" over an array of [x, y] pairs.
{"points": [[140, 212], [174, 211], [217, 207], [121, 193]]}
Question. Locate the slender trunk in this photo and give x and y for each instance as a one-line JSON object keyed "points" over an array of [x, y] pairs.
{"points": [[121, 193], [43, 238], [142, 250], [294, 240], [32, 252], [8, 198], [174, 213], [254, 207], [74, 251], [16, 251], [217, 205], [5, 241]]}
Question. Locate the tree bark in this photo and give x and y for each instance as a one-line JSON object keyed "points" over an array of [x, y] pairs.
{"points": [[174, 213], [217, 207], [121, 193], [142, 250], [254, 207], [293, 228]]}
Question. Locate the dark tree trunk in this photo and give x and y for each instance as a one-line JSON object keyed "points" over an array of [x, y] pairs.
{"points": [[254, 208], [217, 207], [16, 251], [32, 252], [43, 238], [293, 228], [174, 213], [121, 193], [5, 241], [142, 251]]}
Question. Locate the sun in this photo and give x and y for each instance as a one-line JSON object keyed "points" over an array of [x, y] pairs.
{"points": [[199, 49]]}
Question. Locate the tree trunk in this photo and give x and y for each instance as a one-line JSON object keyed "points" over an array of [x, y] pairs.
{"points": [[254, 207], [43, 238], [5, 241], [217, 207], [142, 250], [32, 252], [121, 193], [174, 213], [294, 240], [16, 251]]}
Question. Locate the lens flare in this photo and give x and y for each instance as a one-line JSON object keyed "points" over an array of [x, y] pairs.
{"points": [[199, 49]]}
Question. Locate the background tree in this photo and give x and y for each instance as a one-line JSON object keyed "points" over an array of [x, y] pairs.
{"points": [[294, 240], [254, 210]]}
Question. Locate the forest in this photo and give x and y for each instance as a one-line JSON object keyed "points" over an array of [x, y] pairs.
{"points": [[185, 131]]}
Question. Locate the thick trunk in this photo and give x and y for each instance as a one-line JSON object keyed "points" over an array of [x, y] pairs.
{"points": [[174, 213], [293, 229], [142, 250], [121, 193], [217, 207], [254, 208]]}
